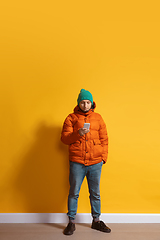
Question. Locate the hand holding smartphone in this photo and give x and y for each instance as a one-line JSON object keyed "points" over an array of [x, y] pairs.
{"points": [[83, 131]]}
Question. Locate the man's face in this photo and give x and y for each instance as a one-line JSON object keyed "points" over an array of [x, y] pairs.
{"points": [[85, 105]]}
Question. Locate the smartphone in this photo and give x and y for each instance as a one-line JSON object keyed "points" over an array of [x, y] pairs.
{"points": [[86, 125]]}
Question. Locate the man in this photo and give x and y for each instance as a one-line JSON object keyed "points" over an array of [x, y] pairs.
{"points": [[88, 151]]}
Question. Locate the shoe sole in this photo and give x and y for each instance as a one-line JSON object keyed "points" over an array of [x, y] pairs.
{"points": [[70, 233], [101, 230]]}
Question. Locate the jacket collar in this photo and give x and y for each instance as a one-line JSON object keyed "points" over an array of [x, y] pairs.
{"points": [[77, 110]]}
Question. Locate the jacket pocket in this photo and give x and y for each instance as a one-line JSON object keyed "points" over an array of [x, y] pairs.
{"points": [[97, 148], [75, 149], [96, 142]]}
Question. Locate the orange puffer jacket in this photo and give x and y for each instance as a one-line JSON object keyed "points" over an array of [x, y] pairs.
{"points": [[92, 147]]}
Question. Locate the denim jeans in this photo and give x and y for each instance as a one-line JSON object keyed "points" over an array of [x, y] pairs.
{"points": [[78, 172]]}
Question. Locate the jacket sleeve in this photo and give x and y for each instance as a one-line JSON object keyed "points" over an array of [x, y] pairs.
{"points": [[68, 135], [104, 139]]}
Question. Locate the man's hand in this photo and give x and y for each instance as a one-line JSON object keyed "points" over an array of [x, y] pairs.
{"points": [[83, 131]]}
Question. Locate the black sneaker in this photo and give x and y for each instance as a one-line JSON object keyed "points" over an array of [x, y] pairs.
{"points": [[100, 226], [69, 229]]}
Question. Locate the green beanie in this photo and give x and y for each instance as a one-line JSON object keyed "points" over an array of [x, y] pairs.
{"points": [[84, 95]]}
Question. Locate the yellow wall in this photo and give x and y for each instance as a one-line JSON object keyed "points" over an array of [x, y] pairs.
{"points": [[49, 51]]}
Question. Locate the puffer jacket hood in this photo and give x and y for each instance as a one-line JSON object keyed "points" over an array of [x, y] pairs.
{"points": [[79, 111]]}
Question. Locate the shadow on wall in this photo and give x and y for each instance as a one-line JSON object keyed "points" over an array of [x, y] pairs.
{"points": [[42, 182]]}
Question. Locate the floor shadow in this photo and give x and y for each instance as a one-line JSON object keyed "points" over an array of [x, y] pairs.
{"points": [[55, 225], [84, 224], [42, 181]]}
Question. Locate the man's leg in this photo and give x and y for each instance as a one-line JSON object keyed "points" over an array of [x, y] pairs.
{"points": [[93, 178], [76, 177]]}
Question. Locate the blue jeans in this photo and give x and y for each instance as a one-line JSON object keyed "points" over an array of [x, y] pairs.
{"points": [[77, 173]]}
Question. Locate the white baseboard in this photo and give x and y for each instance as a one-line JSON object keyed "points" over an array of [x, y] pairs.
{"points": [[80, 218]]}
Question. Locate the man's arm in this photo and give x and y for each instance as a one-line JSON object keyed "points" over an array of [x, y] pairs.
{"points": [[104, 139], [68, 136]]}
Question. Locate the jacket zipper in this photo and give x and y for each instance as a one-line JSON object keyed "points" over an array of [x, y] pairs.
{"points": [[85, 140]]}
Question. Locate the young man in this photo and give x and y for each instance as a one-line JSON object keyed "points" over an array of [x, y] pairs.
{"points": [[88, 151]]}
